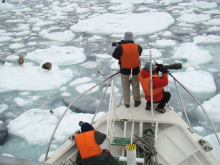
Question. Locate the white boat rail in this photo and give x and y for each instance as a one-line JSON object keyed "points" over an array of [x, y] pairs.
{"points": [[213, 127], [112, 112], [68, 109]]}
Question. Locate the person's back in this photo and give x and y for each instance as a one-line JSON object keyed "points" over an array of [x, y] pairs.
{"points": [[88, 144], [128, 53]]}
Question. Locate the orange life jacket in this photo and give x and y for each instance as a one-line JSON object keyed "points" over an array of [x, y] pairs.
{"points": [[130, 57], [145, 83], [87, 145]]}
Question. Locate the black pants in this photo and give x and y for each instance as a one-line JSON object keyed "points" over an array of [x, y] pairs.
{"points": [[163, 101]]}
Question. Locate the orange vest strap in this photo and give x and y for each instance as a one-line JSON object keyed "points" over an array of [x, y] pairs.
{"points": [[145, 83], [87, 145], [130, 57]]}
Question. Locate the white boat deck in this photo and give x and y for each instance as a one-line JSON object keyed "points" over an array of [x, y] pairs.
{"points": [[141, 114], [175, 144], [172, 131]]}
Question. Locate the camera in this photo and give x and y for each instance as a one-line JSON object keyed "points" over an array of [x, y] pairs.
{"points": [[114, 44], [172, 66]]}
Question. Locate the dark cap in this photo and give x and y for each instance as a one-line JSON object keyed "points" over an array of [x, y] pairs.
{"points": [[86, 127]]}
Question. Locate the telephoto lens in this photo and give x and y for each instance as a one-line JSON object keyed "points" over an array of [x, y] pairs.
{"points": [[174, 66]]}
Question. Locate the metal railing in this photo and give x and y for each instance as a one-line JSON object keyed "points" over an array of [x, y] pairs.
{"points": [[175, 80], [111, 110], [68, 109]]}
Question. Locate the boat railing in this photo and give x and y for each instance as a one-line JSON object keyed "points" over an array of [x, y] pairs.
{"points": [[48, 148], [190, 128], [112, 113]]}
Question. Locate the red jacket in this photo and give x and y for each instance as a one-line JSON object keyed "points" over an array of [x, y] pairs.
{"points": [[158, 82]]}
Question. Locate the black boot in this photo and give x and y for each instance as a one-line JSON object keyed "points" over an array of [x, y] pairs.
{"points": [[137, 103]]}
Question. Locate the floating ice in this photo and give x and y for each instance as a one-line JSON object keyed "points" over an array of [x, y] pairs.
{"points": [[61, 56], [209, 39], [6, 6], [67, 35], [56, 17], [193, 54], [165, 43], [212, 108], [154, 52], [32, 78], [211, 139], [3, 107], [139, 24], [80, 81], [192, 79], [84, 87], [16, 46], [132, 1], [122, 8], [194, 18], [21, 102], [4, 39], [36, 125], [212, 22], [204, 5], [198, 128]]}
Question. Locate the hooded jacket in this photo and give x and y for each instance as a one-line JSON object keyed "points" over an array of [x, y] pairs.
{"points": [[158, 84]]}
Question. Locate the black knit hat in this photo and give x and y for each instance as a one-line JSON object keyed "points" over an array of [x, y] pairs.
{"points": [[86, 127]]}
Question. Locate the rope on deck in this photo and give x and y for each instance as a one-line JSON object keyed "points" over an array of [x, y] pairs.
{"points": [[146, 148]]}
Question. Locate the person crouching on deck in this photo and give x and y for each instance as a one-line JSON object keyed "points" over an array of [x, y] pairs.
{"points": [[159, 95], [88, 142]]}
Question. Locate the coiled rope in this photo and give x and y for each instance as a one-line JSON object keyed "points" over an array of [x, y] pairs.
{"points": [[146, 148]]}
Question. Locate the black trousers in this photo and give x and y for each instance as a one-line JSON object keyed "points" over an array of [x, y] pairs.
{"points": [[163, 101]]}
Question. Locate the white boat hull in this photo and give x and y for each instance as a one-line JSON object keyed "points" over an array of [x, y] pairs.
{"points": [[175, 144]]}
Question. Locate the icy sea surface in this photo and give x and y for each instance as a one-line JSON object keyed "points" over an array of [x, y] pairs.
{"points": [[76, 36]]}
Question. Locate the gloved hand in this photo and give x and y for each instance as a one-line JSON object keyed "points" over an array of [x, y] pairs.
{"points": [[159, 67], [164, 70]]}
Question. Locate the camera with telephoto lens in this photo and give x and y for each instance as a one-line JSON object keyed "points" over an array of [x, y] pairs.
{"points": [[172, 66], [114, 44]]}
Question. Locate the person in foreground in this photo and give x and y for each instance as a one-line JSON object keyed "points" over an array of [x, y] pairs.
{"points": [[128, 53], [159, 95], [88, 142]]}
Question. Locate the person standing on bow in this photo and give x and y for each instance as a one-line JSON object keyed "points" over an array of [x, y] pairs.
{"points": [[159, 95], [88, 142], [128, 53]]}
